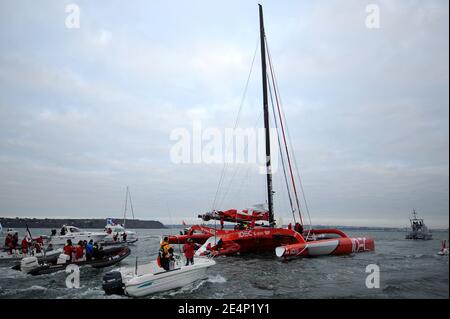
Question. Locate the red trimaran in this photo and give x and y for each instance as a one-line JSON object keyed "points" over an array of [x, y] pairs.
{"points": [[286, 242]]}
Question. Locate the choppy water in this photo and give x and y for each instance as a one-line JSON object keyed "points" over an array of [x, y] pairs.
{"points": [[409, 269]]}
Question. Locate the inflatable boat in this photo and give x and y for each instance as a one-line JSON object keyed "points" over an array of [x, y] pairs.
{"points": [[107, 257]]}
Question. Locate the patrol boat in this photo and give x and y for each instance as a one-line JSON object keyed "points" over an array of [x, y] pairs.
{"points": [[418, 229]]}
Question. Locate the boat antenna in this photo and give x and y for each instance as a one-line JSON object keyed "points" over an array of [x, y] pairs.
{"points": [[266, 116]]}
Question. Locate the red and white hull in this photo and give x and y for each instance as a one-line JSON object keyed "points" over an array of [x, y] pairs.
{"points": [[337, 246]]}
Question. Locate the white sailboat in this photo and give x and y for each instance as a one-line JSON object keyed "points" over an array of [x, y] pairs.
{"points": [[116, 233]]}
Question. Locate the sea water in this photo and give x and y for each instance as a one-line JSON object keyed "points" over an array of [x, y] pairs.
{"points": [[408, 269]]}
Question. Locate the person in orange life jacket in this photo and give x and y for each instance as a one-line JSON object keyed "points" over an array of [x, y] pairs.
{"points": [[79, 251], [165, 253], [188, 249]]}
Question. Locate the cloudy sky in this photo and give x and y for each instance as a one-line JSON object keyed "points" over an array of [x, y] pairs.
{"points": [[86, 111]]}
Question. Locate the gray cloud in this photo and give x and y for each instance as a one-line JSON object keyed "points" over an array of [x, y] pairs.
{"points": [[85, 112]]}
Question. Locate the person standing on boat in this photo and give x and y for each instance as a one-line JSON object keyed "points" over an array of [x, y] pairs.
{"points": [[8, 242], [188, 249], [298, 228], [165, 253], [25, 243], [15, 240]]}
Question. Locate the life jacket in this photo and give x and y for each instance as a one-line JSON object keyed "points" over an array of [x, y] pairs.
{"points": [[164, 250]]}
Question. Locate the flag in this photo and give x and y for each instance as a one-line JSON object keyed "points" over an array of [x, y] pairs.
{"points": [[184, 224]]}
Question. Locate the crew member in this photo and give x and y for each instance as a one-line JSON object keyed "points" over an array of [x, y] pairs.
{"points": [[188, 249], [165, 253], [89, 250], [25, 244], [79, 251], [8, 242], [15, 240], [68, 249], [124, 236]]}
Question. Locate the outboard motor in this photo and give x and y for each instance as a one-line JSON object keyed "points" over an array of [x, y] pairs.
{"points": [[112, 283], [28, 263]]}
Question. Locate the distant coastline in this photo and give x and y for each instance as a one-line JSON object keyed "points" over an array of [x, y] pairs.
{"points": [[347, 228], [98, 223]]}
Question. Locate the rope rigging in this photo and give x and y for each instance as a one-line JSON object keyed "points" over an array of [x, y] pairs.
{"points": [[282, 115], [281, 154], [284, 136]]}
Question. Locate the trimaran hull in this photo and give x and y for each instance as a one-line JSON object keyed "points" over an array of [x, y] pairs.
{"points": [[285, 242]]}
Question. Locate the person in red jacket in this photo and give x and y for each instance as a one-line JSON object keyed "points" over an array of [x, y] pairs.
{"points": [[79, 251], [25, 245], [68, 249], [8, 242], [188, 250]]}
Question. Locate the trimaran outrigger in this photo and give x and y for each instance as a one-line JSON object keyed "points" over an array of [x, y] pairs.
{"points": [[286, 242]]}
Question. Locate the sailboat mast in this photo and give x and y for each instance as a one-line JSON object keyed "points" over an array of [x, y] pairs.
{"points": [[266, 115], [125, 210]]}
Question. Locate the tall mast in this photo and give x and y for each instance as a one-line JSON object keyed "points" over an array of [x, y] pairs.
{"points": [[125, 210], [266, 115]]}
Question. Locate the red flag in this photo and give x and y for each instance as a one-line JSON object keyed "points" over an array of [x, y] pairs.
{"points": [[184, 224]]}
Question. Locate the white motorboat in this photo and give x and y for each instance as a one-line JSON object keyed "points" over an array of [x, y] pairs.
{"points": [[74, 234], [149, 278]]}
